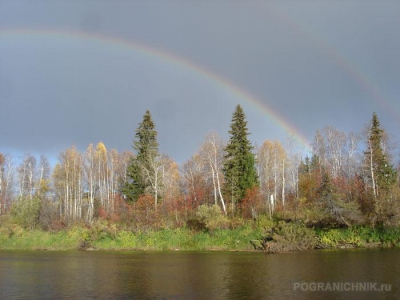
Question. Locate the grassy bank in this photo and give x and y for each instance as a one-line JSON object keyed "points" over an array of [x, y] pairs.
{"points": [[180, 239], [21, 239], [162, 240], [274, 237], [361, 237]]}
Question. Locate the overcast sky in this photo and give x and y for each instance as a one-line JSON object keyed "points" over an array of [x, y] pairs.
{"points": [[313, 63]]}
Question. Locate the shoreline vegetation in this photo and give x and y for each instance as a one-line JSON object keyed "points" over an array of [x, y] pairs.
{"points": [[261, 236], [227, 196]]}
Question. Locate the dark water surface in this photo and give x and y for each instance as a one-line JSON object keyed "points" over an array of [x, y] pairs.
{"points": [[199, 275]]}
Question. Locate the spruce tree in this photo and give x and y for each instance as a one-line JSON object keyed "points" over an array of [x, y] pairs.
{"points": [[140, 166], [332, 202], [239, 166], [380, 172]]}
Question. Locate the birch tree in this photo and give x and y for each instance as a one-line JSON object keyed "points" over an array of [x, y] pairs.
{"points": [[336, 151], [293, 160], [90, 178], [193, 181], [124, 159], [113, 163], [68, 182], [102, 180], [170, 179], [26, 176], [6, 181], [212, 152], [271, 158], [351, 159], [42, 185]]}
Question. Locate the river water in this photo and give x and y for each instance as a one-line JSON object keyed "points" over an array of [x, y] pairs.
{"points": [[344, 274]]}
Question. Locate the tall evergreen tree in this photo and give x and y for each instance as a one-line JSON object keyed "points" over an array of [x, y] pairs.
{"points": [[140, 166], [380, 173], [239, 167]]}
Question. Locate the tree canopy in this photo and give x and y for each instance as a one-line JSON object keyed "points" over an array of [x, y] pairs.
{"points": [[140, 167], [380, 174], [239, 167]]}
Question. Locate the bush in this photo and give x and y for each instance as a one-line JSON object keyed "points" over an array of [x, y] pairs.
{"points": [[49, 216], [252, 205], [348, 237], [26, 212], [288, 237], [7, 227], [208, 218], [145, 214], [263, 222]]}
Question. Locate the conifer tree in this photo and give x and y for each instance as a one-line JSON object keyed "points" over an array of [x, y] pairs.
{"points": [[239, 167], [380, 172], [141, 165], [331, 200], [381, 175]]}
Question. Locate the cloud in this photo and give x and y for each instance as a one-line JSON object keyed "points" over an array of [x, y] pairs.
{"points": [[316, 64]]}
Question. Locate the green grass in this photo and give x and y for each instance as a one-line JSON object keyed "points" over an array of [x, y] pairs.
{"points": [[360, 236], [180, 239], [39, 240], [104, 237], [160, 240]]}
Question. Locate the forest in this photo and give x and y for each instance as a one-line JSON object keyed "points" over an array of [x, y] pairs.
{"points": [[345, 193]]}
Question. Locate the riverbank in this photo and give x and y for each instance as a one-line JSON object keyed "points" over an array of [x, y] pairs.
{"points": [[82, 238], [282, 237], [292, 237]]}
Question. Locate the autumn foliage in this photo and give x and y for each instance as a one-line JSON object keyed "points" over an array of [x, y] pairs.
{"points": [[252, 204], [339, 184]]}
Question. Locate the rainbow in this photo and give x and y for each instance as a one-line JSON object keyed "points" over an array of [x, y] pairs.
{"points": [[364, 81], [175, 60]]}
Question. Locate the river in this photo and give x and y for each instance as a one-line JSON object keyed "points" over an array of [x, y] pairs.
{"points": [[344, 274]]}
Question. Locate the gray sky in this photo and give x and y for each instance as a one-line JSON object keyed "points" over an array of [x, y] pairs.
{"points": [[314, 63]]}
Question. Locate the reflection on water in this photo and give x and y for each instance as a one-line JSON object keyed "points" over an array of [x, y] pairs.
{"points": [[193, 275]]}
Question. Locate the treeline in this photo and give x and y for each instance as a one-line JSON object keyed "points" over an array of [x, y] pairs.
{"points": [[342, 183]]}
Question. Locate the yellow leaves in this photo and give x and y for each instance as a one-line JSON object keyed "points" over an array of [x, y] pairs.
{"points": [[44, 186], [274, 149], [101, 151], [89, 150], [170, 177], [70, 159], [270, 153]]}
